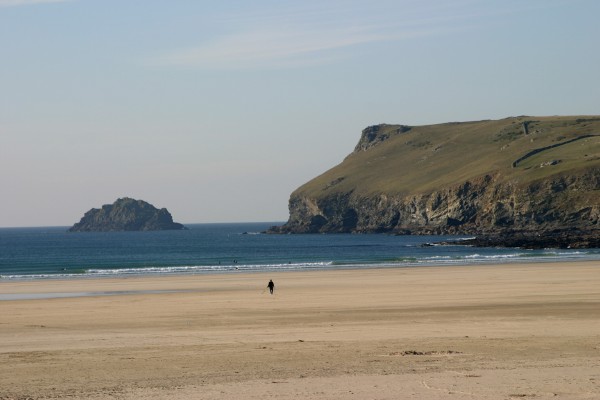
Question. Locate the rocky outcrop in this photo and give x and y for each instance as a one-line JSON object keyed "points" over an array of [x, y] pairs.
{"points": [[392, 193], [126, 215], [560, 238], [373, 135]]}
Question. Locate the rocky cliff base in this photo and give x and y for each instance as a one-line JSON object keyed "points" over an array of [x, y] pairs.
{"points": [[479, 206]]}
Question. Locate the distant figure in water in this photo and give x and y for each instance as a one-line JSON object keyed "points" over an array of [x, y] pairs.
{"points": [[271, 286]]}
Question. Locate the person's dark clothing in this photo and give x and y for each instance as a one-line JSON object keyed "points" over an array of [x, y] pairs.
{"points": [[271, 286]]}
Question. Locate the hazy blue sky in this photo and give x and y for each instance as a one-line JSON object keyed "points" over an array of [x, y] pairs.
{"points": [[218, 110]]}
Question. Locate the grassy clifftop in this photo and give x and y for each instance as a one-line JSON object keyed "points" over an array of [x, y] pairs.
{"points": [[519, 173], [421, 159]]}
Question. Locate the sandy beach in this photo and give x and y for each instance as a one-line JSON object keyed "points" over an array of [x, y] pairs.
{"points": [[528, 331]]}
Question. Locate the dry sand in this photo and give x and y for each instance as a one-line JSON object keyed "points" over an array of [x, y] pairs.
{"points": [[479, 332]]}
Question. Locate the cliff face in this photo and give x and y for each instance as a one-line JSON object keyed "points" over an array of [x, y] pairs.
{"points": [[486, 177], [126, 215], [482, 205]]}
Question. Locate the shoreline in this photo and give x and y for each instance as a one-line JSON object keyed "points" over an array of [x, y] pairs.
{"points": [[204, 270], [491, 331], [113, 283]]}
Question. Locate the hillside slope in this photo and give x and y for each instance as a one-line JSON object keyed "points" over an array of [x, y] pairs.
{"points": [[524, 173]]}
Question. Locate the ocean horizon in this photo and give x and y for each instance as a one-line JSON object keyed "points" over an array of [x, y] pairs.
{"points": [[28, 253]]}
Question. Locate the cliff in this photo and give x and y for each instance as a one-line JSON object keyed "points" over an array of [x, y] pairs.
{"points": [[525, 174], [126, 215]]}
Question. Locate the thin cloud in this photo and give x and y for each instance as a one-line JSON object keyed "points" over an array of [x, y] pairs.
{"points": [[279, 48], [15, 3], [311, 34], [317, 35]]}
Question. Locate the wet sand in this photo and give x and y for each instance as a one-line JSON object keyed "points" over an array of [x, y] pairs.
{"points": [[480, 332]]}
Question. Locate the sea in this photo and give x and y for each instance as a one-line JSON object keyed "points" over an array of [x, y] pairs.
{"points": [[54, 253]]}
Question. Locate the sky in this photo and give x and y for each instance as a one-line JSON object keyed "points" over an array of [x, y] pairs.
{"points": [[218, 110]]}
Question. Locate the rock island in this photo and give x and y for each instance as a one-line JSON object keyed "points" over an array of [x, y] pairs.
{"points": [[126, 214]]}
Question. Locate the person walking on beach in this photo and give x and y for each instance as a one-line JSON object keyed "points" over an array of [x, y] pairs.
{"points": [[271, 286]]}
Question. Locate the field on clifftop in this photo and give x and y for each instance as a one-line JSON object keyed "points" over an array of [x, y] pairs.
{"points": [[424, 158]]}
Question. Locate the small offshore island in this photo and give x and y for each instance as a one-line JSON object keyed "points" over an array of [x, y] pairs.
{"points": [[126, 214], [517, 182]]}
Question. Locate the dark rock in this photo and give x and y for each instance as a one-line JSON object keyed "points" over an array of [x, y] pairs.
{"points": [[561, 239], [126, 215], [479, 206]]}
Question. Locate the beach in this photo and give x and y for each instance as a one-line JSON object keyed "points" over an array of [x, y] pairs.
{"points": [[483, 332]]}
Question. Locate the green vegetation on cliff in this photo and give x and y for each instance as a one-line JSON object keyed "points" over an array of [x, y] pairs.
{"points": [[522, 173]]}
